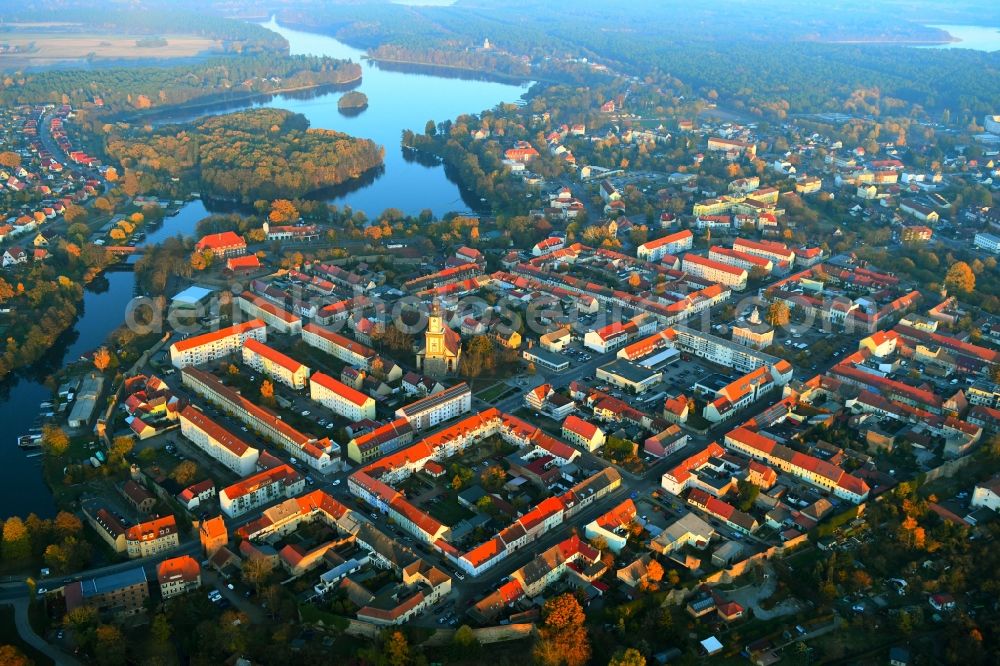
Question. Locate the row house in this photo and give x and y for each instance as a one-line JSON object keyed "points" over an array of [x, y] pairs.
{"points": [[274, 364], [212, 346]]}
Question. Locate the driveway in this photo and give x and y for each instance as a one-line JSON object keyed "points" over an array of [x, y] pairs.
{"points": [[25, 631], [750, 596]]}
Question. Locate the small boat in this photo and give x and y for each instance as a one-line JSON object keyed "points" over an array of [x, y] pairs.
{"points": [[29, 441], [45, 405], [36, 454]]}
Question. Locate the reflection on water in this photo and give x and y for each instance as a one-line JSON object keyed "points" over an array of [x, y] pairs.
{"points": [[975, 37]]}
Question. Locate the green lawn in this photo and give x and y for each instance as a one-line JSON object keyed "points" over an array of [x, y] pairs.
{"points": [[496, 392], [448, 511]]}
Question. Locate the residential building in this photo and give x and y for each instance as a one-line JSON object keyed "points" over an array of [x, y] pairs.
{"points": [[114, 595], [715, 271], [988, 242], [987, 494], [218, 442], [321, 454], [779, 253], [670, 244], [803, 466], [336, 345], [152, 537], [276, 317], [209, 347], [213, 535], [178, 575], [341, 398], [253, 492], [225, 244], [434, 409], [274, 364], [381, 441], [919, 211], [582, 433]]}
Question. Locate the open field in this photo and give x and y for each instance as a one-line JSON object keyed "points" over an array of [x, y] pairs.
{"points": [[39, 47]]}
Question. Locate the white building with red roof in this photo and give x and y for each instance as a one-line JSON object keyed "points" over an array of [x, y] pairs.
{"points": [[582, 433], [225, 244], [274, 316], [253, 492], [216, 344], [715, 271], [218, 442], [674, 243], [803, 466], [178, 575], [341, 398], [274, 364]]}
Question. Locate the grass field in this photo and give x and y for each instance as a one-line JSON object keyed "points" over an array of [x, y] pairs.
{"points": [[44, 46]]}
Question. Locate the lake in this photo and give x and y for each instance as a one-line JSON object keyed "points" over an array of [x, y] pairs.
{"points": [[976, 37], [22, 490], [397, 100]]}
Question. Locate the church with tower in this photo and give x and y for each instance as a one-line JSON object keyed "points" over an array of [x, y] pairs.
{"points": [[442, 348]]}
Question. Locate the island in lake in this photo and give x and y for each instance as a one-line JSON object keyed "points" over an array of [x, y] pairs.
{"points": [[352, 103]]}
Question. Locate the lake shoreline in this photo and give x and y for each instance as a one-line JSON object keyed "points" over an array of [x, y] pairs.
{"points": [[225, 98], [459, 68]]}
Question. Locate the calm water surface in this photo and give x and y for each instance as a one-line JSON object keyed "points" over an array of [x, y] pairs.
{"points": [[397, 100]]}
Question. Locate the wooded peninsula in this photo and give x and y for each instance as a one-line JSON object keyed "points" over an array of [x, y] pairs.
{"points": [[244, 156]]}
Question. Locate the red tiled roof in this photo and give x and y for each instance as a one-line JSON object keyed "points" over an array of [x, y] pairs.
{"points": [[225, 438], [273, 355], [221, 334], [224, 240], [575, 424], [343, 390], [185, 568], [714, 265]]}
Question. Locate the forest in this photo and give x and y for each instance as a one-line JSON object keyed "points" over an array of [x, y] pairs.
{"points": [[471, 59], [126, 90], [781, 56], [45, 300], [248, 155]]}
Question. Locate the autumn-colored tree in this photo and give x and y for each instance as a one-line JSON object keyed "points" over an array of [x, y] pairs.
{"points": [[102, 359], [9, 158], [111, 645], [74, 214], [960, 278], [67, 524], [465, 643], [256, 571], [563, 639], [654, 571], [778, 314], [11, 656], [185, 473], [267, 390], [396, 649], [121, 446], [627, 657], [634, 280], [282, 211], [16, 540], [201, 260], [55, 441]]}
